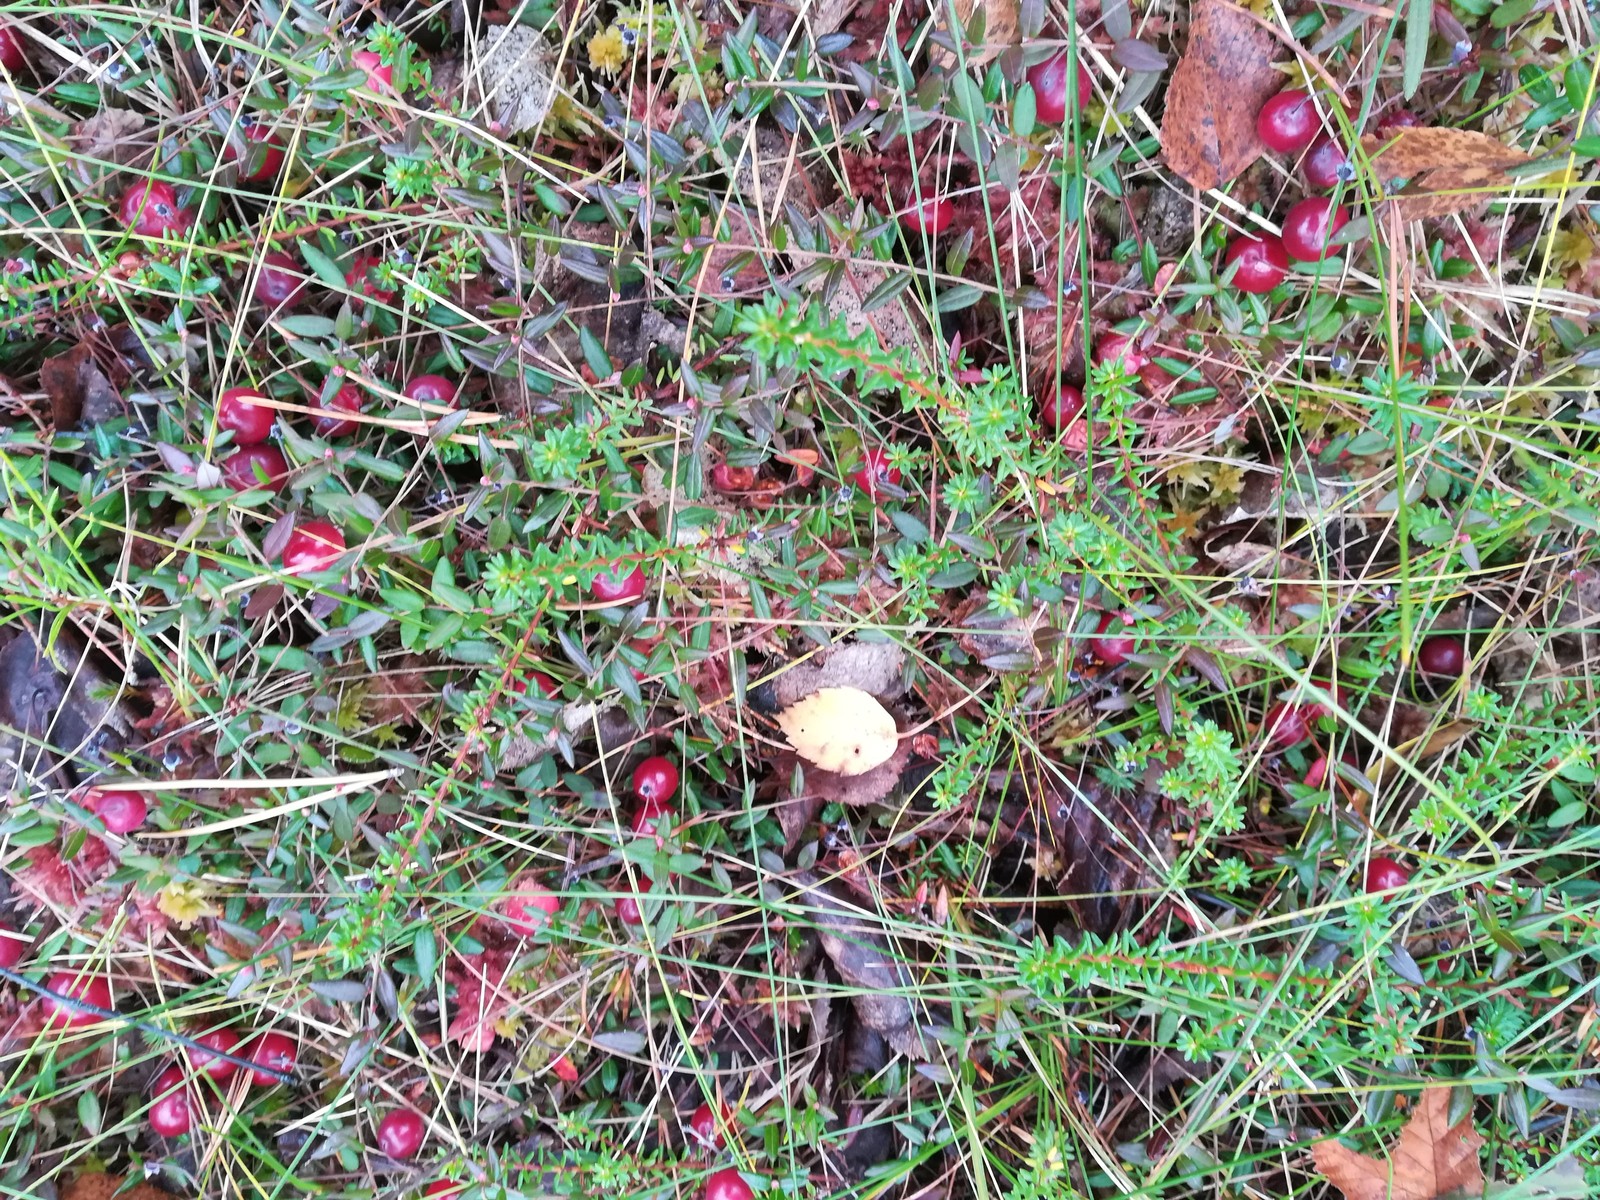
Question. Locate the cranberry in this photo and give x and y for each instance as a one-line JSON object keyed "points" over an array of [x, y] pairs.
{"points": [[732, 479], [1310, 225], [1113, 651], [529, 907], [249, 423], [280, 282], [119, 812], [1049, 80], [1288, 122], [314, 546], [169, 1114], [931, 216], [444, 1189], [432, 389], [13, 51], [270, 1051], [220, 1069], [628, 910], [1290, 724], [346, 399], [1442, 654], [271, 161], [542, 681], [1262, 261], [86, 989], [1398, 118], [705, 1131], [727, 1184], [360, 281], [648, 816], [610, 588], [239, 469], [1119, 346], [401, 1133], [13, 945], [875, 470], [151, 209], [1317, 772], [1385, 875], [380, 78], [1325, 164], [655, 780], [1061, 407]]}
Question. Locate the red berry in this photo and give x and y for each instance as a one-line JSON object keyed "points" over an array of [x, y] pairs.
{"points": [[432, 389], [727, 1184], [1385, 875], [1442, 654], [647, 817], [151, 209], [628, 910], [314, 546], [1049, 80], [239, 469], [544, 683], [87, 989], [705, 1131], [1262, 262], [1398, 118], [13, 945], [401, 1133], [271, 161], [732, 479], [528, 907], [280, 282], [13, 51], [169, 1113], [1061, 407], [360, 281], [380, 78], [1325, 164], [931, 216], [655, 780], [220, 1069], [1115, 346], [1113, 651], [875, 470], [609, 588], [444, 1188], [1288, 724], [346, 399], [1310, 225], [249, 423], [1288, 122], [272, 1051], [119, 812]]}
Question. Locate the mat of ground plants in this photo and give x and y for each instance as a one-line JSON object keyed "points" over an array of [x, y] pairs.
{"points": [[688, 599]]}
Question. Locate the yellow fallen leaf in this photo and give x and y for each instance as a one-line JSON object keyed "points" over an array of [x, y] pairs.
{"points": [[840, 729]]}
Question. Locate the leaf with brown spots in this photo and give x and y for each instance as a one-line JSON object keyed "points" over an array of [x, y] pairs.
{"points": [[1449, 170], [1432, 1158], [1208, 133]]}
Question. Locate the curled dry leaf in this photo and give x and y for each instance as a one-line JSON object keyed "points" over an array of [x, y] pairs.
{"points": [[1433, 1158], [841, 729], [1208, 133], [1449, 170]]}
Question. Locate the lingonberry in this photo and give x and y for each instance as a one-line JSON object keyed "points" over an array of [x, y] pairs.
{"points": [[220, 1069], [431, 389], [270, 1051], [655, 780], [380, 78], [727, 1184], [1326, 164], [1061, 407], [1288, 122], [169, 1114], [359, 279], [1049, 80], [528, 906], [251, 467], [1310, 226], [76, 989], [13, 49], [268, 160], [313, 546]]}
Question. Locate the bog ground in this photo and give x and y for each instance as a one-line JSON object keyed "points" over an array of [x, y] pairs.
{"points": [[691, 601]]}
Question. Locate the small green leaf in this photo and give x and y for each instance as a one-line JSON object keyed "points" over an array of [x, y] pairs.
{"points": [[1024, 111], [595, 354], [1419, 24], [321, 265]]}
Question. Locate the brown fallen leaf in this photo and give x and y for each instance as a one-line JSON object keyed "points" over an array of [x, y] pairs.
{"points": [[95, 1185], [1450, 170], [78, 389], [999, 29], [1432, 1158], [111, 139], [1208, 133], [874, 667]]}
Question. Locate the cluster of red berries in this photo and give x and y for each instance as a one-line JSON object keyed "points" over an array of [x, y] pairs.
{"points": [[655, 782], [705, 1136], [172, 1097]]}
